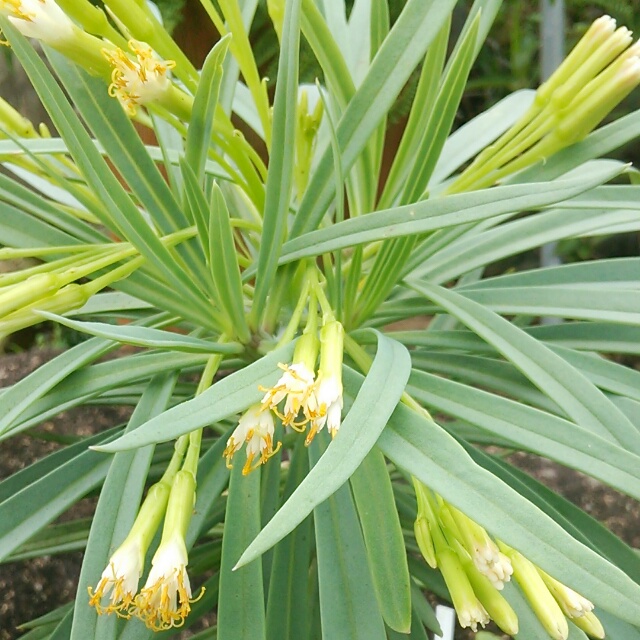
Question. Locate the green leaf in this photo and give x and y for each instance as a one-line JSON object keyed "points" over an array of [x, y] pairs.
{"points": [[442, 212], [442, 114], [425, 450], [226, 397], [54, 539], [91, 382], [224, 265], [241, 601], [566, 386], [401, 52], [532, 430], [288, 602], [421, 109], [281, 160], [348, 606], [362, 426], [146, 336], [21, 395], [29, 510], [477, 249], [383, 540], [204, 106]]}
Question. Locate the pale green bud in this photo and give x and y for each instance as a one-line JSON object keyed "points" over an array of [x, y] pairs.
{"points": [[572, 603], [492, 600], [28, 291], [425, 541], [597, 34], [542, 602], [470, 611], [590, 624]]}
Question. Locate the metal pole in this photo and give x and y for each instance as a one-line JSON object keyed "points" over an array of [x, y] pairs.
{"points": [[552, 25]]}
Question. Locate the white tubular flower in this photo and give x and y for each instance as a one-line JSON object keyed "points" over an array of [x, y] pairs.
{"points": [[329, 402], [296, 385], [166, 598], [41, 19], [140, 81], [255, 429], [119, 581], [328, 391]]}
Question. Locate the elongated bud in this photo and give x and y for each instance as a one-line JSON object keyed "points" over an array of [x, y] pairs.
{"points": [[542, 602], [24, 293], [572, 603], [492, 600], [470, 611], [590, 624], [425, 541]]}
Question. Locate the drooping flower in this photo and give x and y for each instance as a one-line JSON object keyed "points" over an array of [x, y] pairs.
{"points": [[328, 389], [255, 429], [165, 600], [41, 19], [296, 385], [119, 581], [140, 81]]}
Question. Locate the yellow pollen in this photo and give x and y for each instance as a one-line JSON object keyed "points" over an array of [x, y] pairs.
{"points": [[153, 605]]}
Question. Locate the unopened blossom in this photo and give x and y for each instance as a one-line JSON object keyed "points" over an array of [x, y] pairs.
{"points": [[572, 603], [494, 565], [41, 19], [140, 81], [119, 581], [255, 430]]}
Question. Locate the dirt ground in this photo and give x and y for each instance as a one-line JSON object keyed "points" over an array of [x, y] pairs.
{"points": [[31, 588]]}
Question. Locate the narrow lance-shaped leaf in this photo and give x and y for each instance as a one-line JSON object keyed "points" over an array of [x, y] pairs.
{"points": [[373, 493], [348, 606], [581, 400], [224, 265], [437, 213], [281, 161], [204, 106], [146, 336], [241, 613]]}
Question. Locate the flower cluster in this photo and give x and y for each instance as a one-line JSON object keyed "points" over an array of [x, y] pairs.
{"points": [[475, 569], [602, 69], [166, 598], [299, 398], [136, 80]]}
